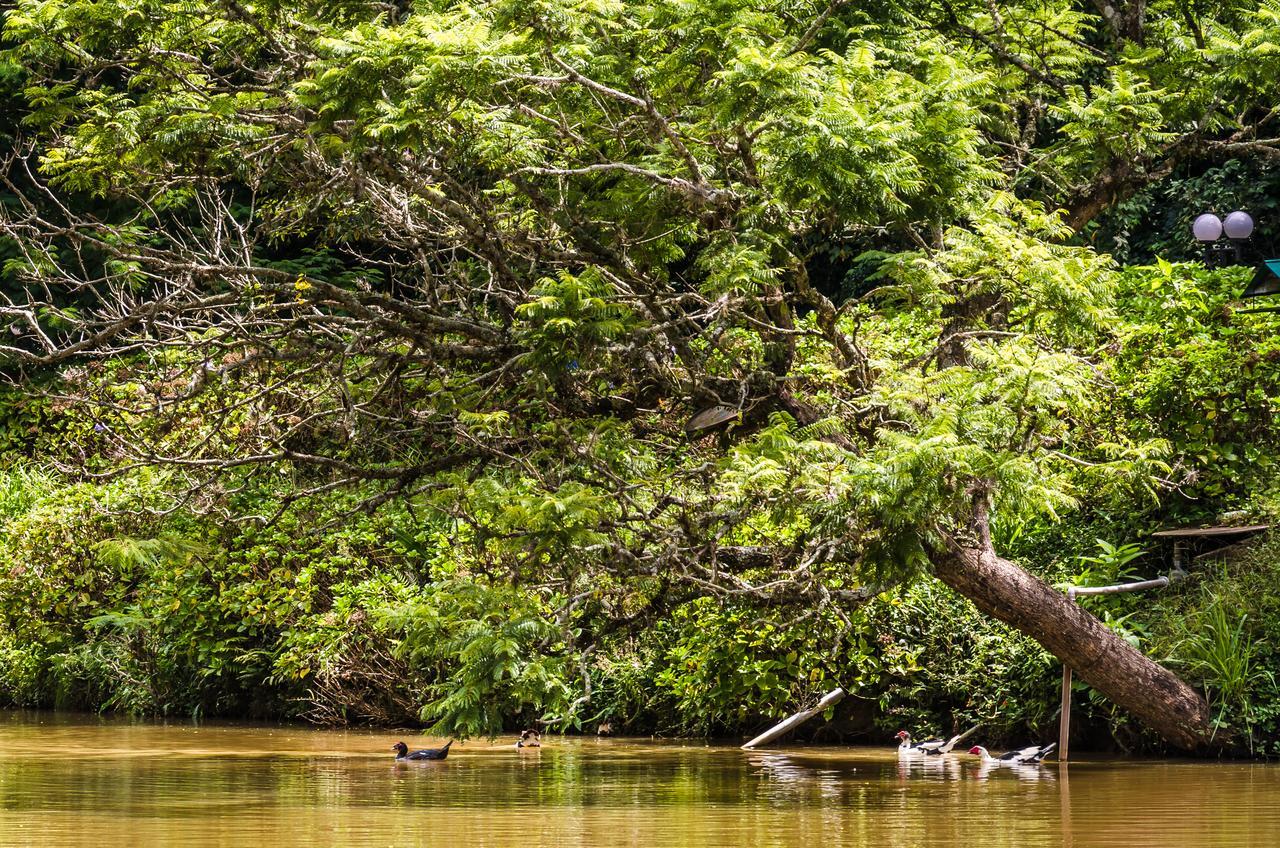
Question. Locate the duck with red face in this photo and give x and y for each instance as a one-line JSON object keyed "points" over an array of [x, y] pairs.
{"points": [[1030, 755]]}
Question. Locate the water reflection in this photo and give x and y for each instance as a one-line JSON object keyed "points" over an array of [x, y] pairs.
{"points": [[76, 782], [786, 776], [943, 767], [1019, 771]]}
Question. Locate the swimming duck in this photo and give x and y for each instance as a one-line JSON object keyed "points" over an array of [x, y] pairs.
{"points": [[932, 747], [529, 739], [403, 753], [1031, 755]]}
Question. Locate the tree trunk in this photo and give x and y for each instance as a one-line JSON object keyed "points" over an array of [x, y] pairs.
{"points": [[1150, 692]]}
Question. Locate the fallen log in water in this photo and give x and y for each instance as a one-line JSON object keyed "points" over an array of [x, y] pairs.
{"points": [[832, 697]]}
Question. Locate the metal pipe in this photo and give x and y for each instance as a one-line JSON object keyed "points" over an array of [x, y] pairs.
{"points": [[1158, 583]]}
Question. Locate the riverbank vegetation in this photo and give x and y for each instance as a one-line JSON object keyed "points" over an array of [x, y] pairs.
{"points": [[661, 365]]}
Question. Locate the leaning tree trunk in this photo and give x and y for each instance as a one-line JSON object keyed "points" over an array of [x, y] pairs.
{"points": [[1150, 692]]}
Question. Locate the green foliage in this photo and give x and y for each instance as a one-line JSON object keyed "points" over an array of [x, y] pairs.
{"points": [[731, 667], [569, 319], [1221, 654], [1221, 630], [1202, 378], [955, 668], [1156, 222], [1109, 566], [21, 486], [431, 289], [494, 654]]}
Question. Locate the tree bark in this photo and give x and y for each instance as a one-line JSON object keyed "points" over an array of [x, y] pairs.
{"points": [[1150, 692]]}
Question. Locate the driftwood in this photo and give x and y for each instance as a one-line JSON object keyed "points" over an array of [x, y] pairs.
{"points": [[832, 697]]}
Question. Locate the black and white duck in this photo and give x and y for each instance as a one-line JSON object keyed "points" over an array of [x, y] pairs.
{"points": [[929, 748], [1030, 755]]}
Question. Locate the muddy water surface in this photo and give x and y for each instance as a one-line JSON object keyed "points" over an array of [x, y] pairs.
{"points": [[67, 781]]}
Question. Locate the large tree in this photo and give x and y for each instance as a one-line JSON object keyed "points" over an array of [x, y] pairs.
{"points": [[491, 257]]}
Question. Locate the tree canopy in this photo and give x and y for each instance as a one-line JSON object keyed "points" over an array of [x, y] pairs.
{"points": [[492, 260]]}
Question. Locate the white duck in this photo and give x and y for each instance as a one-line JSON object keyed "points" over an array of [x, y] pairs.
{"points": [[1031, 755], [930, 748]]}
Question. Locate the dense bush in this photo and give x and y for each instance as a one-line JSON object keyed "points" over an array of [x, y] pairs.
{"points": [[1222, 631], [105, 606]]}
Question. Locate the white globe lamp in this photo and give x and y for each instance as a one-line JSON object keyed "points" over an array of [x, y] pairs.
{"points": [[1208, 227], [1238, 225]]}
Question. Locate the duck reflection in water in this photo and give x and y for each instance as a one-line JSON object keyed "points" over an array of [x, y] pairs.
{"points": [[783, 772], [929, 768], [780, 767], [1030, 773]]}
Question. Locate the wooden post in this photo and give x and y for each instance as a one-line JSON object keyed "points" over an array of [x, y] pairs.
{"points": [[1064, 720], [832, 697], [1064, 713]]}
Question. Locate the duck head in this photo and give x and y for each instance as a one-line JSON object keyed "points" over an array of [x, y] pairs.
{"points": [[902, 736], [529, 739], [978, 750], [400, 748]]}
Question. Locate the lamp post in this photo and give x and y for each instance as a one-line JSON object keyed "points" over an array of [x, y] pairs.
{"points": [[1209, 228], [1237, 227]]}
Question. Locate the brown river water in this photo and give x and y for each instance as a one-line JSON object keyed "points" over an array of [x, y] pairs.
{"points": [[76, 781]]}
